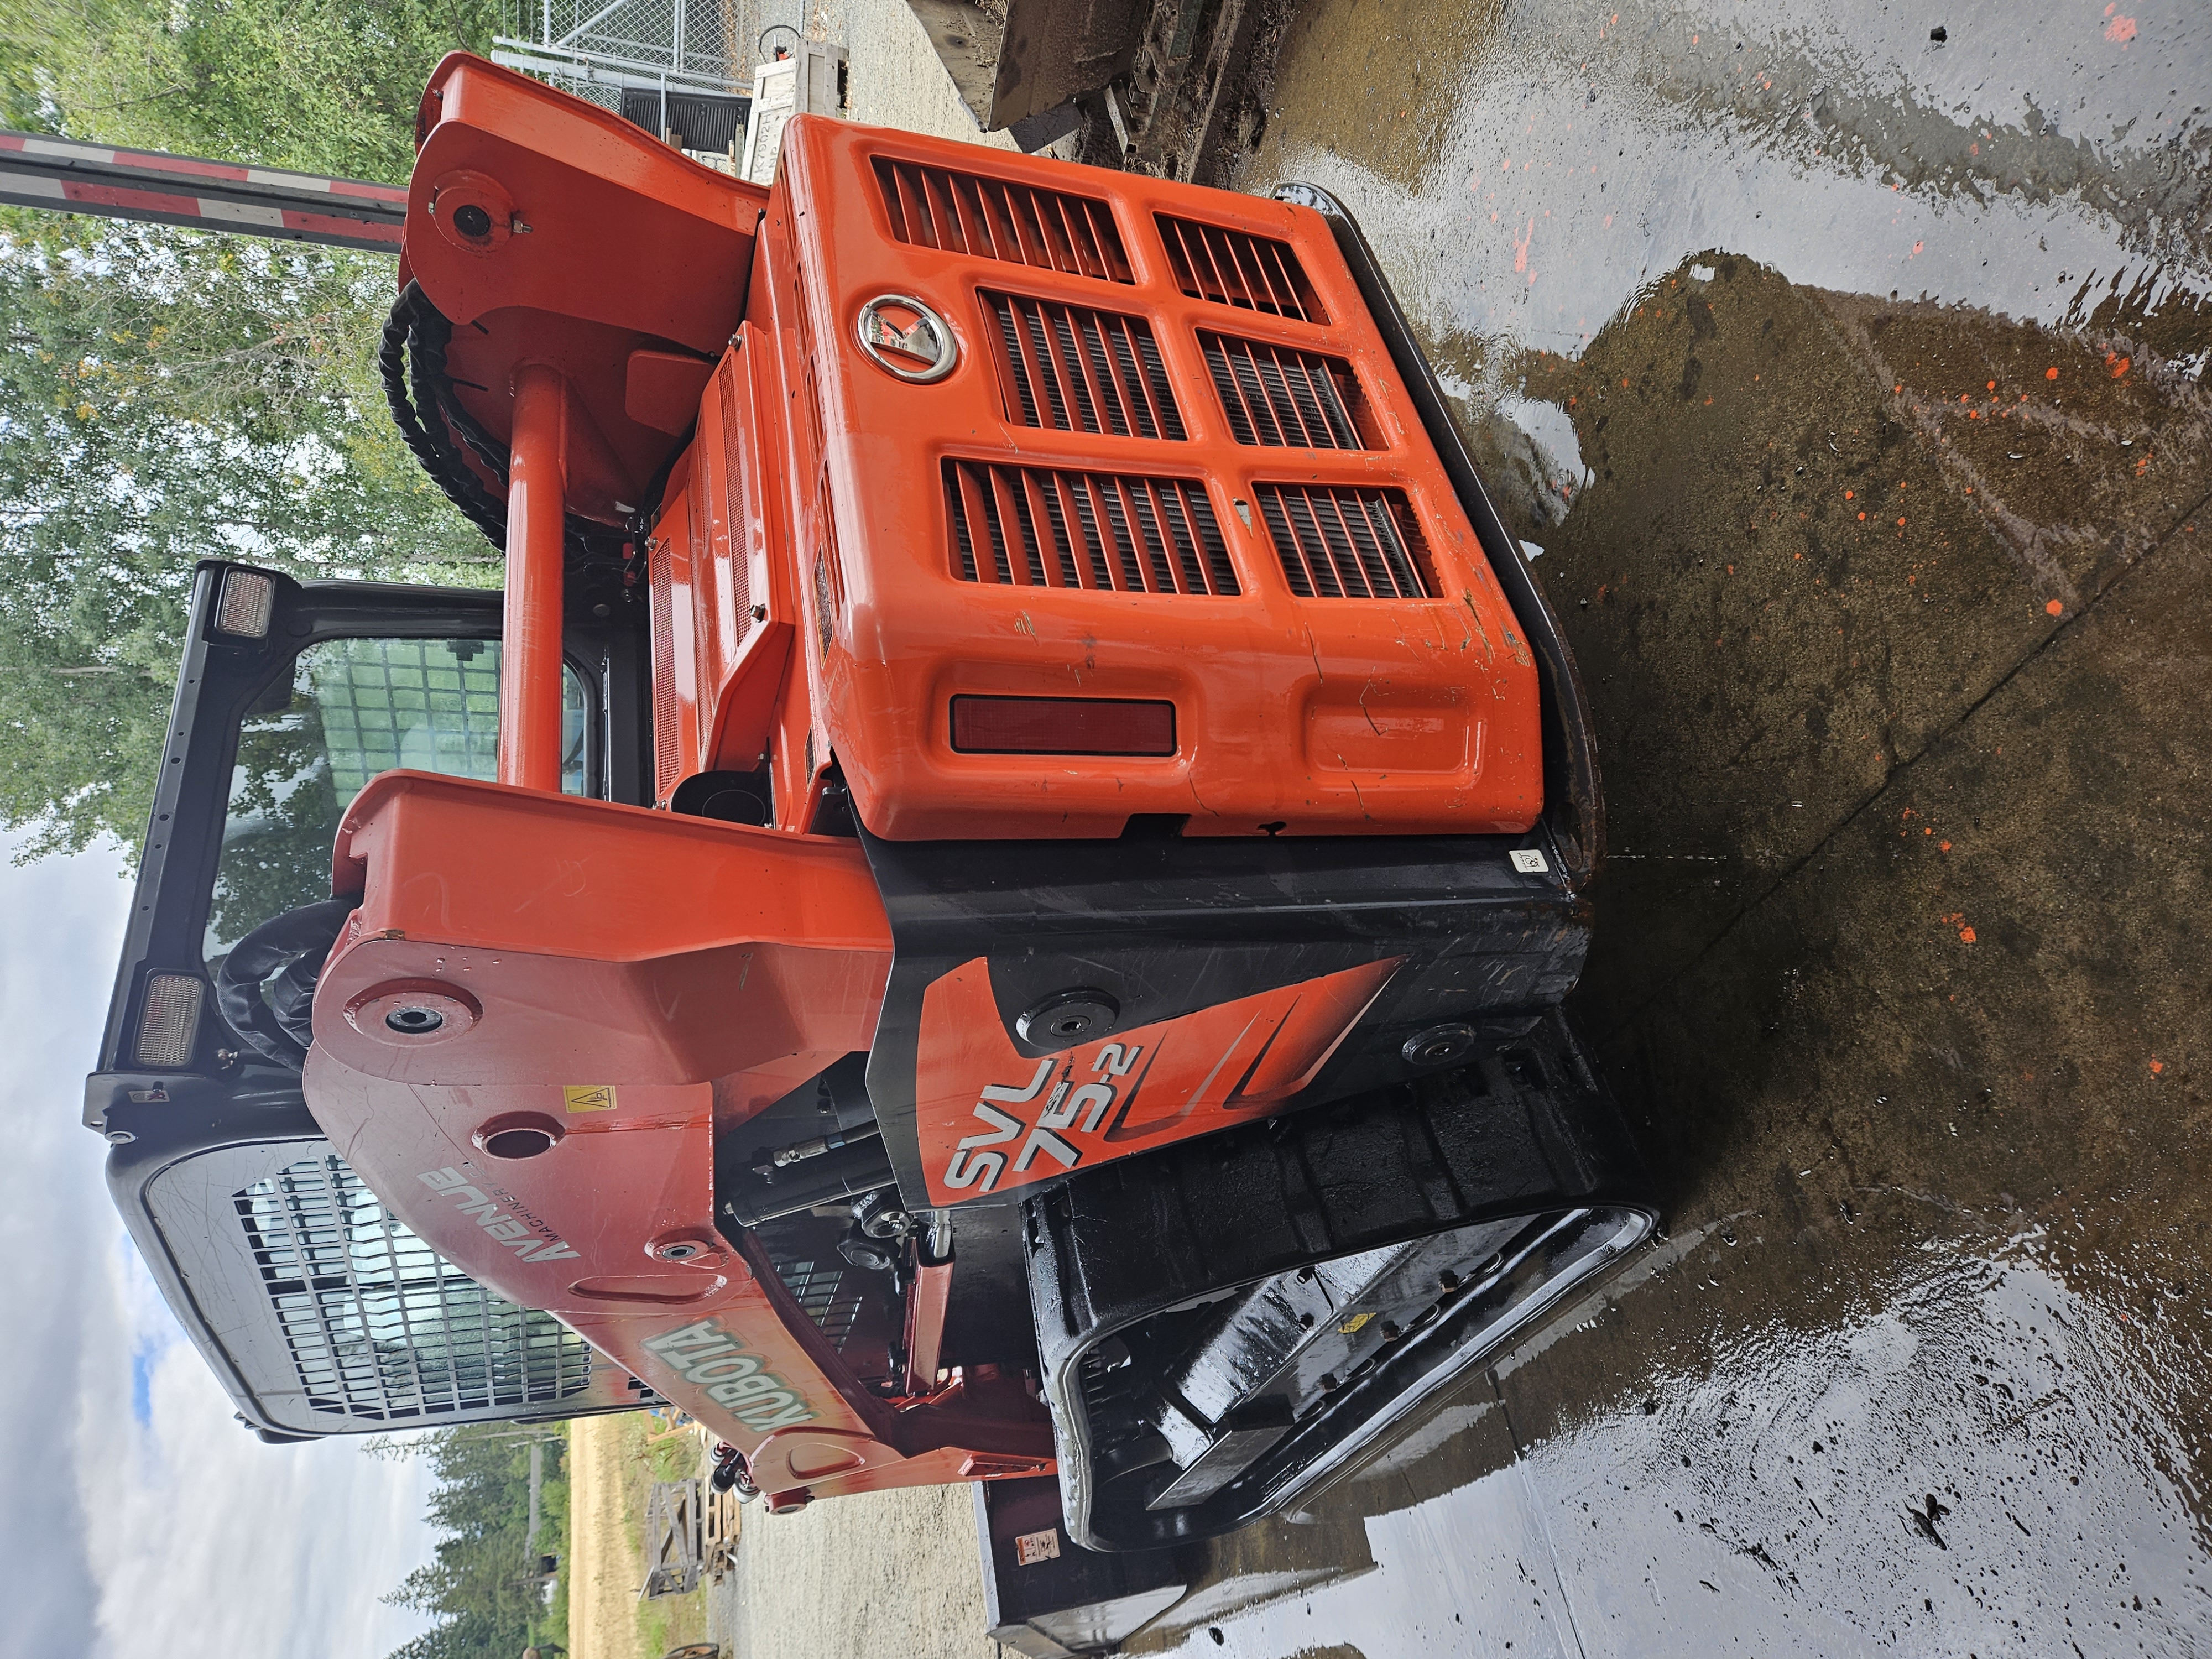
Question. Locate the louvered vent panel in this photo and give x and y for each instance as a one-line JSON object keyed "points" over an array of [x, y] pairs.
{"points": [[1041, 527], [1079, 370], [991, 219], [667, 766], [1340, 543], [1235, 268], [1283, 399]]}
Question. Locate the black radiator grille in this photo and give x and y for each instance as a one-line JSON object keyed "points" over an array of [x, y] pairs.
{"points": [[1235, 268], [379, 1326], [991, 219], [1280, 398], [1079, 370], [1043, 528], [1337, 542]]}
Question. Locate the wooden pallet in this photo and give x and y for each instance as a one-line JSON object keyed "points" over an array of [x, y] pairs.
{"points": [[672, 1539]]}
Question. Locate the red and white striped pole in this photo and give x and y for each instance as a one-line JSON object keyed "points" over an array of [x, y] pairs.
{"points": [[67, 176]]}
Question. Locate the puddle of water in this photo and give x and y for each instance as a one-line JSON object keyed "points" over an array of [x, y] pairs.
{"points": [[1778, 1502], [2030, 167], [1868, 1435]]}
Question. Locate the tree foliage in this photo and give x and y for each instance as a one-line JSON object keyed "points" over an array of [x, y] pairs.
{"points": [[481, 1584], [323, 86], [168, 395]]}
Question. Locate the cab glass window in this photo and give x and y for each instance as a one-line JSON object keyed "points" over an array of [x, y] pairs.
{"points": [[350, 710]]}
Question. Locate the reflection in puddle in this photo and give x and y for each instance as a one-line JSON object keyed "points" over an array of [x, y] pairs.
{"points": [[1845, 156], [1975, 1466]]}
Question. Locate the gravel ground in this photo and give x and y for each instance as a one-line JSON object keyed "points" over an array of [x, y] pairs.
{"points": [[890, 1575]]}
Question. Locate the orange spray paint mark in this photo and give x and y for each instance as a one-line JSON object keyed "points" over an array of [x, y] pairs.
{"points": [[2054, 608], [2051, 374], [2120, 30], [1942, 846], [2122, 369], [2156, 1066]]}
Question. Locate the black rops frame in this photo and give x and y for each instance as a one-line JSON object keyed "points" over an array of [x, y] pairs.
{"points": [[152, 1119], [218, 681]]}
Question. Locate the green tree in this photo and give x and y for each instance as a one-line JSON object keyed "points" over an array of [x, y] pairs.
{"points": [[168, 395], [481, 1584], [324, 86]]}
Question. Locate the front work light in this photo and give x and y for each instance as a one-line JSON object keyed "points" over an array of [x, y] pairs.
{"points": [[169, 1025], [244, 605]]}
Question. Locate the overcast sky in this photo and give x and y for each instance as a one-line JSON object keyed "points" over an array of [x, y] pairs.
{"points": [[139, 1516]]}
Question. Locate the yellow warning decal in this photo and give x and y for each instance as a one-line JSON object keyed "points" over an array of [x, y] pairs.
{"points": [[1344, 1329], [589, 1097]]}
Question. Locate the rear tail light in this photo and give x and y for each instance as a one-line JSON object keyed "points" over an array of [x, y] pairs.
{"points": [[169, 1024], [1062, 726], [244, 605]]}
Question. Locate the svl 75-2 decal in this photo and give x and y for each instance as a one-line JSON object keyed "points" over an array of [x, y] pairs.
{"points": [[990, 1120]]}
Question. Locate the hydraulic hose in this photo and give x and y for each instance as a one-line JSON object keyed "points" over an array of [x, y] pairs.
{"points": [[411, 359]]}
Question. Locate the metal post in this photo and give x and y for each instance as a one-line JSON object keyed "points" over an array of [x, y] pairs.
{"points": [[530, 668], [536, 1482]]}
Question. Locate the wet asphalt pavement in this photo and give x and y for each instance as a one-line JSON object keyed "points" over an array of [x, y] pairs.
{"points": [[1851, 382]]}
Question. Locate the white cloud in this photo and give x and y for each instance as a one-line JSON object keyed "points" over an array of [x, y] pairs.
{"points": [[180, 1533]]}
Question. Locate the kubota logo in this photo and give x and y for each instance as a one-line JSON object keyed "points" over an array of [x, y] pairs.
{"points": [[921, 350], [706, 1356]]}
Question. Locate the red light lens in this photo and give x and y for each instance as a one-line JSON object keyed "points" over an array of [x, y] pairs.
{"points": [[1062, 726]]}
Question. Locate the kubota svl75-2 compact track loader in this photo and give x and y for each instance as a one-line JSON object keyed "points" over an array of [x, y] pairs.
{"points": [[991, 899]]}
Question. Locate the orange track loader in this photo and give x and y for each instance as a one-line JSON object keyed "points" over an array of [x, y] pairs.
{"points": [[991, 900]]}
